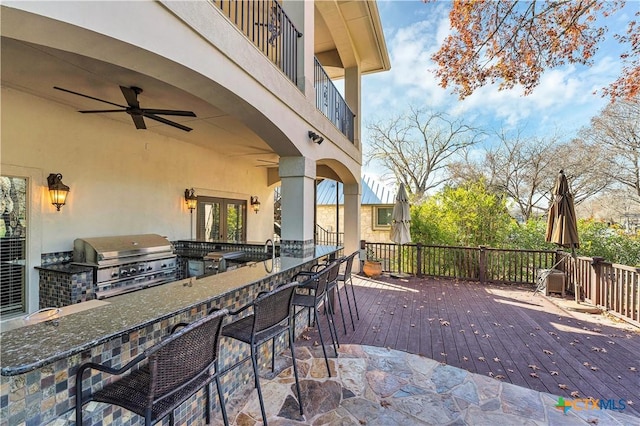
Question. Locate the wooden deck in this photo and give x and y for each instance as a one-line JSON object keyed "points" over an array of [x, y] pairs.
{"points": [[506, 332]]}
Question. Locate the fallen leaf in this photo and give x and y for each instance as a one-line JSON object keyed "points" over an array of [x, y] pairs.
{"points": [[476, 332], [460, 331], [594, 369], [496, 359], [596, 330], [633, 369], [552, 333], [592, 421], [575, 394], [534, 367], [547, 352], [500, 377], [509, 370], [464, 358], [490, 374], [572, 344], [443, 354], [629, 402], [481, 358], [305, 337], [534, 375], [404, 306], [385, 403], [532, 334], [563, 386], [486, 336], [413, 325], [586, 364], [444, 323]]}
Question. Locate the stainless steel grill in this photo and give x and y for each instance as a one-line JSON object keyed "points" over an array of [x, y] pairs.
{"points": [[126, 263]]}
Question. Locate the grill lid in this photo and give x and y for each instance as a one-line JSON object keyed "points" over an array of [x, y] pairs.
{"points": [[104, 250]]}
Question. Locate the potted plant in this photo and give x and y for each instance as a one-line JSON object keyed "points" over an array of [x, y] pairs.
{"points": [[372, 267]]}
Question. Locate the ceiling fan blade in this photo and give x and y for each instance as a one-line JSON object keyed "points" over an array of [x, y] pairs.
{"points": [[131, 95], [138, 121], [93, 111], [165, 121], [87, 96], [169, 112]]}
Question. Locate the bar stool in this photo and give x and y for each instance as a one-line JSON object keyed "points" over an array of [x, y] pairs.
{"points": [[317, 288], [345, 278], [178, 367], [272, 315]]}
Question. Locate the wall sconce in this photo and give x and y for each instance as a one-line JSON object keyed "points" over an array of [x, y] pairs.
{"points": [[315, 137], [191, 199], [255, 204], [57, 190]]}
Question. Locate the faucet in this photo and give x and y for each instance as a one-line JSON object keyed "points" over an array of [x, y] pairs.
{"points": [[268, 243]]}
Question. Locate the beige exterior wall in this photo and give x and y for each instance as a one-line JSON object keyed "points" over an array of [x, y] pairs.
{"points": [[326, 217], [122, 181]]}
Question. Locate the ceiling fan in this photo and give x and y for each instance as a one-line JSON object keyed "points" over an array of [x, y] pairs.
{"points": [[133, 109]]}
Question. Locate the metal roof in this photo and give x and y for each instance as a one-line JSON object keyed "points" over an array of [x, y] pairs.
{"points": [[373, 192]]}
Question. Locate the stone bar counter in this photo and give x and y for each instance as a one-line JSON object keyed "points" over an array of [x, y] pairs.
{"points": [[40, 355]]}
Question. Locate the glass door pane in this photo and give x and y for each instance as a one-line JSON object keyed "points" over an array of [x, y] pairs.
{"points": [[13, 235], [235, 222]]}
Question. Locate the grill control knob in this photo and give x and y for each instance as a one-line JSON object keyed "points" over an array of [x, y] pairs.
{"points": [[164, 265], [133, 270], [149, 268], [114, 274]]}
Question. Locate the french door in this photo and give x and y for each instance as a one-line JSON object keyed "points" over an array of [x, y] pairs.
{"points": [[221, 219]]}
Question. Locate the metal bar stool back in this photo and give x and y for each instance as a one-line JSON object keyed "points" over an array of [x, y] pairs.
{"points": [[178, 367]]}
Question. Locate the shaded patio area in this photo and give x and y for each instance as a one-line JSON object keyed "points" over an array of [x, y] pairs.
{"points": [[505, 332]]}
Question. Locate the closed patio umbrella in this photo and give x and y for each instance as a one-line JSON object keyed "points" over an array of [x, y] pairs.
{"points": [[562, 227], [400, 232]]}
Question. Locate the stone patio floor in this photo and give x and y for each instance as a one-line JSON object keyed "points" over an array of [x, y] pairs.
{"points": [[380, 386]]}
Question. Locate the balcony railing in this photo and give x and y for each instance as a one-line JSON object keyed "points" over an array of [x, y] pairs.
{"points": [[265, 23], [331, 103], [615, 288]]}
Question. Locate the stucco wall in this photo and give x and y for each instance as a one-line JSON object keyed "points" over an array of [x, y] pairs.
{"points": [[99, 156], [326, 217]]}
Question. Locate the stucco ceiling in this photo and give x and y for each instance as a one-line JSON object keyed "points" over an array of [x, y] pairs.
{"points": [[37, 69]]}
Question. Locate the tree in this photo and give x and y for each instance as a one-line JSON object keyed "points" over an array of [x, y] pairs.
{"points": [[525, 169], [417, 146], [513, 42], [466, 215], [617, 130]]}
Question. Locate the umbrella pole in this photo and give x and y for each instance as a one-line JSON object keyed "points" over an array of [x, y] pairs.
{"points": [[576, 285]]}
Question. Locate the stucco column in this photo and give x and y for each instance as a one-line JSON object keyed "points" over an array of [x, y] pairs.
{"points": [[352, 92], [301, 14], [351, 217], [297, 175]]}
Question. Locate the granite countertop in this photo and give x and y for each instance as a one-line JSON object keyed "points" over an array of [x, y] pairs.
{"points": [[65, 268], [31, 346]]}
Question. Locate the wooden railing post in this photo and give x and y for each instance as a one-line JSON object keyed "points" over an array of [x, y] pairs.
{"points": [[482, 263], [596, 282], [419, 259]]}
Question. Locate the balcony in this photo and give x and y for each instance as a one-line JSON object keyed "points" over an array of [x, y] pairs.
{"points": [[330, 102], [269, 28]]}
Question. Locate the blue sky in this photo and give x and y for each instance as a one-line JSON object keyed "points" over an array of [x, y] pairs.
{"points": [[562, 103]]}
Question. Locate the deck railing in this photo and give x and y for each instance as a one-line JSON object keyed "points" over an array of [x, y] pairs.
{"points": [[613, 287], [326, 237], [268, 27], [330, 102]]}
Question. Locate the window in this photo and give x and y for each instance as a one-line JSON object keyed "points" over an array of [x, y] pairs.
{"points": [[382, 217], [13, 232]]}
